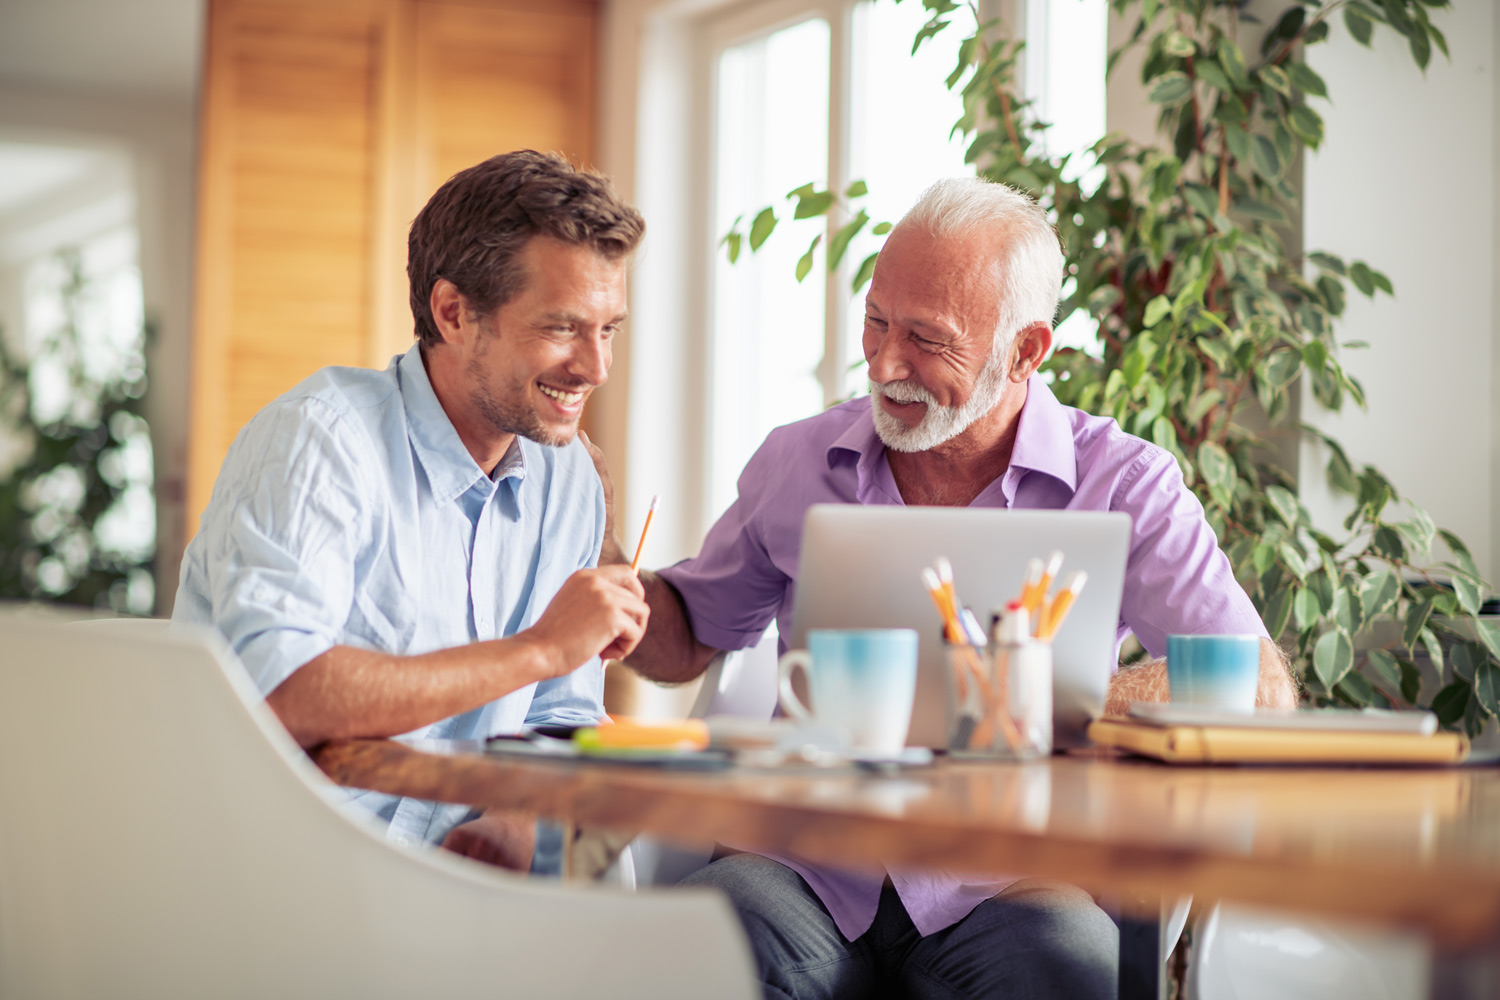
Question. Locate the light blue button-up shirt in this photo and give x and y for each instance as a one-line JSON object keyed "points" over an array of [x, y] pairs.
{"points": [[349, 512]]}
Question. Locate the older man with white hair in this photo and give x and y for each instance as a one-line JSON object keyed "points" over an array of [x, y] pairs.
{"points": [[957, 321]]}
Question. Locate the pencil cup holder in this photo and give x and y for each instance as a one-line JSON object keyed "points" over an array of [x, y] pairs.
{"points": [[999, 700]]}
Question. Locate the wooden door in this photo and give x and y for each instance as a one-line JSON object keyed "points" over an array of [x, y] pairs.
{"points": [[325, 128]]}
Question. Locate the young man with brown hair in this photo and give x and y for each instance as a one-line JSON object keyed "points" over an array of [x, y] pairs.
{"points": [[412, 550]]}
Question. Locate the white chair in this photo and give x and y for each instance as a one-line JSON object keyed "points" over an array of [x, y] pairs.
{"points": [[1242, 953], [162, 836]]}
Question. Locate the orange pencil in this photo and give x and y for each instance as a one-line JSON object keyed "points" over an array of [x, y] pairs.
{"points": [[639, 546], [1054, 563], [1061, 605], [1031, 592]]}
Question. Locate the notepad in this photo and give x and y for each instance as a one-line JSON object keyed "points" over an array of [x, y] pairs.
{"points": [[1213, 744], [1369, 720]]}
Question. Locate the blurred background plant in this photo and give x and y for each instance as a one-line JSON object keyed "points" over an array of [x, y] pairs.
{"points": [[77, 511], [1184, 254]]}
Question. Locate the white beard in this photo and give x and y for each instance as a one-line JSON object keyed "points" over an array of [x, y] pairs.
{"points": [[939, 423]]}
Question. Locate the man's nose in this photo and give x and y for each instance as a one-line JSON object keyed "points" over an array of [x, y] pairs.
{"points": [[887, 363], [592, 360]]}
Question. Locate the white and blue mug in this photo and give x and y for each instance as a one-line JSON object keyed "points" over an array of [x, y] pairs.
{"points": [[861, 682], [1215, 671]]}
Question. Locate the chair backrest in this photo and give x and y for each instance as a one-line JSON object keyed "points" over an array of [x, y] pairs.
{"points": [[741, 682], [161, 835]]}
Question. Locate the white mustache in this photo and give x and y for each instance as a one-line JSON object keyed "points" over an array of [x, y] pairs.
{"points": [[902, 392]]}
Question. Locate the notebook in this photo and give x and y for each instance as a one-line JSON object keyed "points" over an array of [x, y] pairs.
{"points": [[1178, 743]]}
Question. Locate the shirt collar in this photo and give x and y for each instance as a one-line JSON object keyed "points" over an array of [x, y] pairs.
{"points": [[1044, 441], [860, 442], [450, 469]]}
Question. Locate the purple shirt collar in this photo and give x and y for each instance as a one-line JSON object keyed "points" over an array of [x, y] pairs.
{"points": [[1044, 443]]}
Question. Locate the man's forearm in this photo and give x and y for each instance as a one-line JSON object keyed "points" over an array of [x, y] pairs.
{"points": [[1148, 682], [668, 653], [351, 693]]}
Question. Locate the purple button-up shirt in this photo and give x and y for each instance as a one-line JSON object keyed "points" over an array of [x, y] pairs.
{"points": [[1176, 578]]}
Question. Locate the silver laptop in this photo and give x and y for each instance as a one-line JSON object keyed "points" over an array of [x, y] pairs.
{"points": [[860, 567]]}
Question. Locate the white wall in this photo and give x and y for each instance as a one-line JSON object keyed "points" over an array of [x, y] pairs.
{"points": [[159, 134], [1409, 180]]}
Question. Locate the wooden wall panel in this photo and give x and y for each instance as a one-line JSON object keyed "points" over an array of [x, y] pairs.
{"points": [[286, 226], [499, 78], [325, 128]]}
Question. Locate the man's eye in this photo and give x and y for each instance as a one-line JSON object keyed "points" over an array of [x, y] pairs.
{"points": [[879, 324], [925, 344]]}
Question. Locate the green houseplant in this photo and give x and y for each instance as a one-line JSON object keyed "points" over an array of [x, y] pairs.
{"points": [[69, 473], [1208, 323]]}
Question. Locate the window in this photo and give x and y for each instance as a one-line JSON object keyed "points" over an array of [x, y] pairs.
{"points": [[831, 97]]}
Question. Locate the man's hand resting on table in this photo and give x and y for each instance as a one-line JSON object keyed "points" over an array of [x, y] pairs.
{"points": [[498, 837]]}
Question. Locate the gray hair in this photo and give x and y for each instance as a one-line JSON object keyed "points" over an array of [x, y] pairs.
{"points": [[1031, 274]]}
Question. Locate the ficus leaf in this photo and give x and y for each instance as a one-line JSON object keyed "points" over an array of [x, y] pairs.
{"points": [[1416, 621], [1361, 27], [1306, 609], [810, 205], [805, 262], [1434, 649], [1466, 658], [839, 244], [1307, 123], [1449, 703], [761, 228], [1333, 656], [866, 270], [1233, 62], [1279, 612], [1378, 591], [1305, 80], [1487, 686], [1275, 77], [1347, 610], [1171, 88], [1385, 667], [1155, 310], [1284, 504], [1489, 634], [1265, 157]]}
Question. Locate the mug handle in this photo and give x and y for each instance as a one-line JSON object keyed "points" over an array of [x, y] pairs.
{"points": [[790, 703]]}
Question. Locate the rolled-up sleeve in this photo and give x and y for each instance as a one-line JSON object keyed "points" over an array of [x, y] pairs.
{"points": [[1177, 579], [281, 551]]}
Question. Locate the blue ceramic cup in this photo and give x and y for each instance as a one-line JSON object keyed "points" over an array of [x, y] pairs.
{"points": [[1215, 671], [861, 682]]}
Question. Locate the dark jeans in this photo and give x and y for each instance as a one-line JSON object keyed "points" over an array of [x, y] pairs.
{"points": [[1036, 939]]}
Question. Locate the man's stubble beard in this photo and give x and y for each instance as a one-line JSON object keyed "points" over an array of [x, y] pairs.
{"points": [[509, 413], [940, 423]]}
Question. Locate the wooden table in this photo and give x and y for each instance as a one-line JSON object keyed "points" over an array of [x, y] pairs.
{"points": [[1411, 849]]}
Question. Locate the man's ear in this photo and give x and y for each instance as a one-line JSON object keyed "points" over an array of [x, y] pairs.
{"points": [[450, 312], [1029, 351]]}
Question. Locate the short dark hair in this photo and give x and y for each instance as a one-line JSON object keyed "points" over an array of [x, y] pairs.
{"points": [[472, 229]]}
